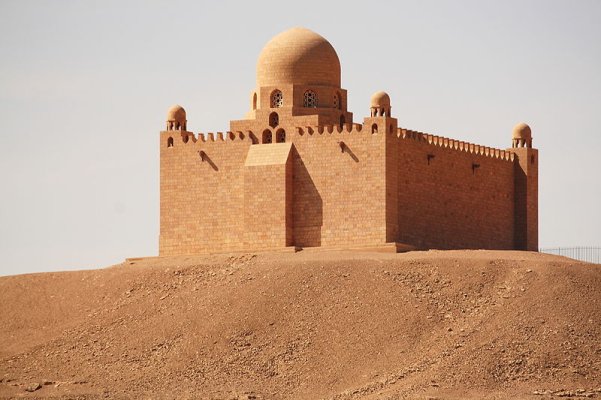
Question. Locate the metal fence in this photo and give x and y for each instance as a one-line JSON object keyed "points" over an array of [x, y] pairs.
{"points": [[588, 254]]}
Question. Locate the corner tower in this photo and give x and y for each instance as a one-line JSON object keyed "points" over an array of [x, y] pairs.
{"points": [[297, 84], [526, 189]]}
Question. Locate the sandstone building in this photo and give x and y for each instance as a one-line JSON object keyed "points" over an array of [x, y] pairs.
{"points": [[298, 172]]}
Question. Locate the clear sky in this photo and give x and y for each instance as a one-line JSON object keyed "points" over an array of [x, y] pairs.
{"points": [[84, 88]]}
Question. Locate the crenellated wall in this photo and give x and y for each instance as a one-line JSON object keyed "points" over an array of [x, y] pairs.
{"points": [[337, 186], [454, 194], [202, 196]]}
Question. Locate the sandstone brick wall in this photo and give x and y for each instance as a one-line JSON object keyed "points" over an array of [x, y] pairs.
{"points": [[327, 186], [268, 184], [321, 196], [202, 202], [339, 196], [454, 199]]}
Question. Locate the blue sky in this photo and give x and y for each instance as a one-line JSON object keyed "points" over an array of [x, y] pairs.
{"points": [[84, 88]]}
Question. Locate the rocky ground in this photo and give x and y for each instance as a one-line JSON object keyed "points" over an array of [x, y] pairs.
{"points": [[307, 325]]}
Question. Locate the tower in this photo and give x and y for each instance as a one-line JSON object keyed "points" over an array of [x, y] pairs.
{"points": [[381, 121], [526, 189]]}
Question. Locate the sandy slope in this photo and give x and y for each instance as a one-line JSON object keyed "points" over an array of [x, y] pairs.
{"points": [[310, 325]]}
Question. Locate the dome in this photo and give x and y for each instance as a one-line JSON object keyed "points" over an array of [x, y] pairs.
{"points": [[298, 56], [176, 113], [380, 99], [522, 131]]}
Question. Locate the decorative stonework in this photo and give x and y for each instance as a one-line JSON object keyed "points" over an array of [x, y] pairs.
{"points": [[277, 99], [310, 99]]}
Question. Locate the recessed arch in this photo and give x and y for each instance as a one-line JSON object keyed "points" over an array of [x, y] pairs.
{"points": [[310, 99], [374, 128], [274, 119], [254, 101], [170, 142], [277, 99], [280, 136], [267, 136], [342, 121]]}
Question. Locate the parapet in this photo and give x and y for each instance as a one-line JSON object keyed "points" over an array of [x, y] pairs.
{"points": [[454, 144], [344, 129], [212, 137]]}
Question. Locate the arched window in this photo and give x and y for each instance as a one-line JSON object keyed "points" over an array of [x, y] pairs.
{"points": [[170, 142], [337, 103], [274, 119], [266, 136], [280, 136], [374, 128], [255, 101], [310, 99], [277, 99]]}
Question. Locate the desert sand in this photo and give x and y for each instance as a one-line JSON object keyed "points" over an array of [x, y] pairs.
{"points": [[307, 325]]}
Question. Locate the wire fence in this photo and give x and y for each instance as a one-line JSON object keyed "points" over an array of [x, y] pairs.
{"points": [[588, 254]]}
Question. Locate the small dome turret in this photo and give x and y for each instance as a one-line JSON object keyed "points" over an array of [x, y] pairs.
{"points": [[380, 104], [521, 136], [380, 99], [176, 118]]}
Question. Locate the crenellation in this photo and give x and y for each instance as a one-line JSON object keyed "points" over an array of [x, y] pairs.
{"points": [[454, 144]]}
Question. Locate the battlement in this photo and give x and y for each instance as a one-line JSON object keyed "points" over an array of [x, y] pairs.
{"points": [[209, 137], [401, 133], [320, 130], [454, 144]]}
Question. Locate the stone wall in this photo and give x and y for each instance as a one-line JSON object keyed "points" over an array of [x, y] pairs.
{"points": [[344, 186], [202, 202], [453, 199]]}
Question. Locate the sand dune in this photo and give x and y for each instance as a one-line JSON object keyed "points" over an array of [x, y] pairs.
{"points": [[307, 325]]}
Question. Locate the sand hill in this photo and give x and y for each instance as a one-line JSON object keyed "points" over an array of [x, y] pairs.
{"points": [[307, 325]]}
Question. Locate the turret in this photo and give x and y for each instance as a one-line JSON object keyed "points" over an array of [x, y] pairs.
{"points": [[522, 136], [176, 118], [380, 120], [526, 188], [380, 104]]}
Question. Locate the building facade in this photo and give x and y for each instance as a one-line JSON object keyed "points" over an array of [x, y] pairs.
{"points": [[298, 172]]}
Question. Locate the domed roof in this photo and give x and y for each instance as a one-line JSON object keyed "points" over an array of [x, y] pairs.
{"points": [[380, 99], [176, 113], [298, 56], [522, 131]]}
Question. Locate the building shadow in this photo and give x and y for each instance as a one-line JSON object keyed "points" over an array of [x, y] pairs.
{"points": [[345, 149], [308, 206], [205, 158]]}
